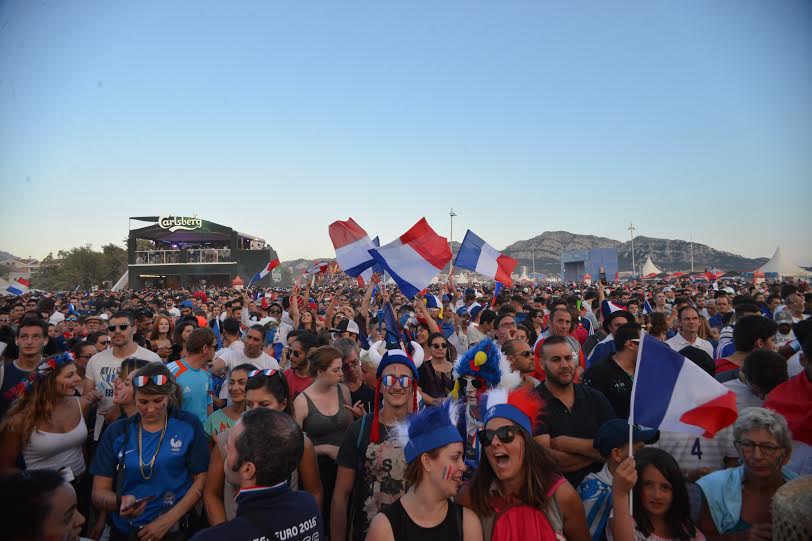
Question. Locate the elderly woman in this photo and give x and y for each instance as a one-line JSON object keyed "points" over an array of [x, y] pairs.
{"points": [[736, 501]]}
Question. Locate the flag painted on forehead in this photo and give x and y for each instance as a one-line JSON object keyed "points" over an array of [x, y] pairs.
{"points": [[477, 255], [352, 247], [18, 287], [272, 264], [672, 393], [415, 258]]}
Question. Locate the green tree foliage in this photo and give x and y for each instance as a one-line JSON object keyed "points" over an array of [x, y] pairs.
{"points": [[81, 266]]}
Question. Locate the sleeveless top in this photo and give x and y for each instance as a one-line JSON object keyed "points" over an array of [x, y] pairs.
{"points": [[326, 429], [405, 529], [433, 383], [229, 490], [48, 450]]}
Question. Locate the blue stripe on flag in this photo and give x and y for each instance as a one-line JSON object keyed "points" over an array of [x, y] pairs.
{"points": [[469, 252], [408, 290], [656, 375]]}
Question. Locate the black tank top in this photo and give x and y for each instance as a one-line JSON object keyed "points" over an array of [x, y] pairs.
{"points": [[404, 528]]}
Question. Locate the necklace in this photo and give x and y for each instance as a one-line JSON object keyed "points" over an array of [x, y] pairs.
{"points": [[151, 463]]}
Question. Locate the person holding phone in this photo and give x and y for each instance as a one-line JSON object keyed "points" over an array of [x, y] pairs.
{"points": [[149, 469]]}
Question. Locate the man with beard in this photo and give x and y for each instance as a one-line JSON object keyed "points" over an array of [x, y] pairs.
{"points": [[572, 415]]}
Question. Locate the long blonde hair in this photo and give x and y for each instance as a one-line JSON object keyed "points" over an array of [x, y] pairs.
{"points": [[35, 406]]}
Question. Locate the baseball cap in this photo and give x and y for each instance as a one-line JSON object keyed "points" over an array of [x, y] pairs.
{"points": [[615, 433], [729, 290], [783, 317], [346, 325]]}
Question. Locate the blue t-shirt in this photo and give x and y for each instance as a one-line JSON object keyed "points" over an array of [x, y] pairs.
{"points": [[184, 453], [195, 385]]}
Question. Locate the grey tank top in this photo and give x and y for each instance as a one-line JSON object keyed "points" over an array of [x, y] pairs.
{"points": [[326, 429]]}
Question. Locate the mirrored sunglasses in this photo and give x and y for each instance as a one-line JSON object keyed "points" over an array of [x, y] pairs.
{"points": [[159, 380], [267, 372], [389, 381]]}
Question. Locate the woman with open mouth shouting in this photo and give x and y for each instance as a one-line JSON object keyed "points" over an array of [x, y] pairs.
{"points": [[435, 456], [517, 493]]}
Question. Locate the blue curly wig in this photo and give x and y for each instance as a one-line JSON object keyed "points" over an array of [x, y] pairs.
{"points": [[489, 370]]}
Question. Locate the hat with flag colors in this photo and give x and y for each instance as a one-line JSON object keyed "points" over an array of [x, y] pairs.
{"points": [[414, 258], [477, 255], [522, 406], [672, 393], [429, 429]]}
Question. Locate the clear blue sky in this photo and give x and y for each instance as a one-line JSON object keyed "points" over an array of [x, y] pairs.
{"points": [[276, 118]]}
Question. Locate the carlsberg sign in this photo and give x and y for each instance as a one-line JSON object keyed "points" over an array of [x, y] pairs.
{"points": [[175, 223]]}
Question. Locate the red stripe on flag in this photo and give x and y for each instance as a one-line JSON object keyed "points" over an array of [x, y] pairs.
{"points": [[273, 264], [23, 281], [343, 233], [713, 416], [504, 267], [431, 246]]}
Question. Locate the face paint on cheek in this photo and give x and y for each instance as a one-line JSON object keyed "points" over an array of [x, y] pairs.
{"points": [[448, 471]]}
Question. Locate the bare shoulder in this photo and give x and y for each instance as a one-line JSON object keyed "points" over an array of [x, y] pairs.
{"points": [[380, 529]]}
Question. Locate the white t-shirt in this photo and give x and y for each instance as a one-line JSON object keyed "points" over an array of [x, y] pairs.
{"points": [[678, 342], [744, 396], [103, 367], [692, 452], [233, 358]]}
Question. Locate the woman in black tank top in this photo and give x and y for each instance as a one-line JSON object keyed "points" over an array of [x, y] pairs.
{"points": [[436, 462]]}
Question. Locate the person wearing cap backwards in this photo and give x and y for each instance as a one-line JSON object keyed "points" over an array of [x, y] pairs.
{"points": [[517, 492], [612, 442], [371, 463], [434, 454], [346, 328]]}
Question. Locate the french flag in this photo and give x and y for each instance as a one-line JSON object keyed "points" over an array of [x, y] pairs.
{"points": [[352, 247], [607, 307], [477, 255], [267, 269], [672, 393], [18, 287], [647, 309], [414, 258], [319, 267]]}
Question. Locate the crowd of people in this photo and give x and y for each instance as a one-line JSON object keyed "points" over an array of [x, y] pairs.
{"points": [[341, 412]]}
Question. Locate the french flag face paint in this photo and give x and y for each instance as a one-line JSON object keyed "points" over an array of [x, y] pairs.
{"points": [[448, 473]]}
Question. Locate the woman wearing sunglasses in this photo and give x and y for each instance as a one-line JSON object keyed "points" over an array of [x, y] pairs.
{"points": [[517, 492], [436, 375], [435, 456], [264, 389], [149, 469]]}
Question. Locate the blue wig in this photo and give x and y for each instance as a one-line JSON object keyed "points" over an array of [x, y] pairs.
{"points": [[481, 361]]}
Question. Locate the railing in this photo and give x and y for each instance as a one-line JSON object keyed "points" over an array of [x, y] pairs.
{"points": [[192, 256]]}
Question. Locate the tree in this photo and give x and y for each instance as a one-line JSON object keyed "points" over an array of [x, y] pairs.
{"points": [[81, 267]]}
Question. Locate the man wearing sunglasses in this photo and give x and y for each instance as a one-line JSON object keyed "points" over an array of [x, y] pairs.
{"points": [[102, 369], [614, 376], [520, 357]]}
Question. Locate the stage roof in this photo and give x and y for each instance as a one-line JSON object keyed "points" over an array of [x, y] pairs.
{"points": [[182, 229]]}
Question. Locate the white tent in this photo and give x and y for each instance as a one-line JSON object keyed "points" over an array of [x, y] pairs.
{"points": [[780, 265], [649, 268]]}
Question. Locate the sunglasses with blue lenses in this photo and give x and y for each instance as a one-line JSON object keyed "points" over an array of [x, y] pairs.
{"points": [[159, 380], [267, 372]]}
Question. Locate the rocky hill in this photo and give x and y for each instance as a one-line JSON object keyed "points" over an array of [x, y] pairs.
{"points": [[669, 255]]}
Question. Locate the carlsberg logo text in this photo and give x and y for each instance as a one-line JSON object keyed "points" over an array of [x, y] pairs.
{"points": [[174, 223]]}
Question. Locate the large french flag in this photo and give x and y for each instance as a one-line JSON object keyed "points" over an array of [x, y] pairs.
{"points": [[672, 393], [477, 255], [18, 287], [352, 247], [607, 307], [266, 269], [414, 258]]}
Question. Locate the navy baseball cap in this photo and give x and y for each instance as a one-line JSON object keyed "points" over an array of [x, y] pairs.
{"points": [[615, 433]]}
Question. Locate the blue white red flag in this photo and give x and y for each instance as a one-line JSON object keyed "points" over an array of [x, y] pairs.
{"points": [[672, 393], [266, 269], [352, 247], [477, 255], [319, 267], [414, 258], [18, 287], [607, 307], [647, 309]]}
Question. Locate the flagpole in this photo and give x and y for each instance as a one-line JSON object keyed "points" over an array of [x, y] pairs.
{"points": [[631, 409]]}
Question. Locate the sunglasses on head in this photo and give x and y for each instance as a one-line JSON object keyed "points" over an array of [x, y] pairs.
{"points": [[267, 372], [70, 319], [389, 381], [159, 379], [506, 434], [475, 383], [121, 327]]}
